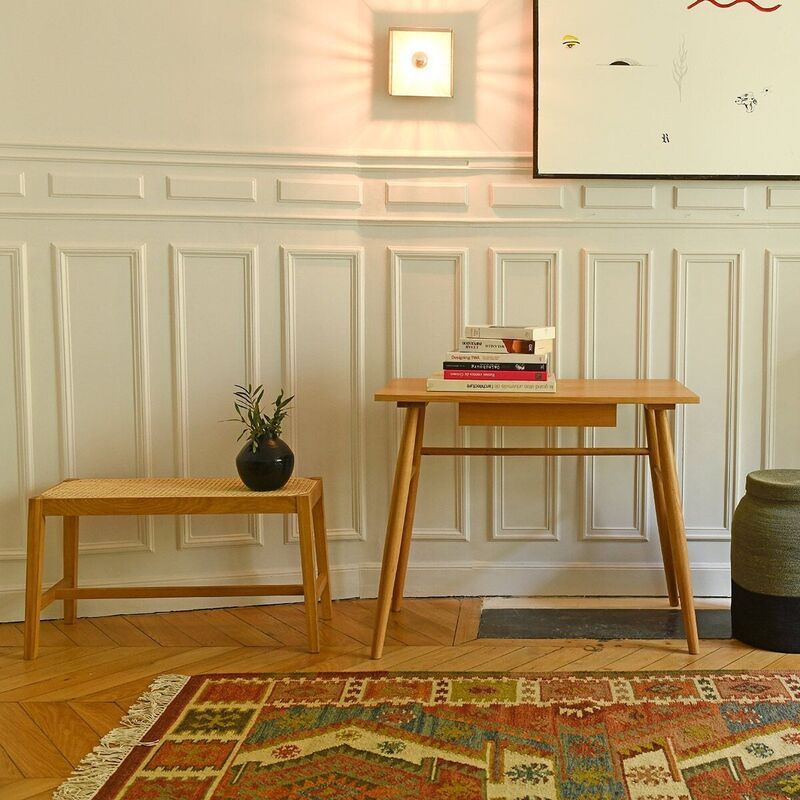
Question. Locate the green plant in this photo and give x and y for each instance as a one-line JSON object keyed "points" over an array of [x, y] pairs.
{"points": [[258, 423]]}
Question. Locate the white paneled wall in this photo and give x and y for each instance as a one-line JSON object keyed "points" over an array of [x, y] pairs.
{"points": [[127, 316], [258, 209]]}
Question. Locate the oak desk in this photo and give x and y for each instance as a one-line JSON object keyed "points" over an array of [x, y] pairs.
{"points": [[577, 403]]}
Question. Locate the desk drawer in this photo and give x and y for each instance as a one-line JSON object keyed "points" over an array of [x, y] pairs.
{"points": [[546, 415]]}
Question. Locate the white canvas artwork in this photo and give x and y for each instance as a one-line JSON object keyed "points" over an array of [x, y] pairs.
{"points": [[658, 88]]}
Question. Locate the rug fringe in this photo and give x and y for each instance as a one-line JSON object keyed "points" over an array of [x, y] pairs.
{"points": [[97, 767]]}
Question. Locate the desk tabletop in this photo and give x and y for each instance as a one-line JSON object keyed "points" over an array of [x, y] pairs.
{"points": [[598, 391]]}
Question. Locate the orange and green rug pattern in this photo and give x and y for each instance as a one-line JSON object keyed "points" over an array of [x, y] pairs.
{"points": [[405, 736]]}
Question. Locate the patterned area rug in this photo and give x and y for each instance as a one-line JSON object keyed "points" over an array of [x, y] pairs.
{"points": [[406, 736]]}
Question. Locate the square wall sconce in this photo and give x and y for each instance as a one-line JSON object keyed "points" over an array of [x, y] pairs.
{"points": [[421, 62]]}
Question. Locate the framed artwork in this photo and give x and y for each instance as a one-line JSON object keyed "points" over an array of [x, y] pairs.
{"points": [[666, 89]]}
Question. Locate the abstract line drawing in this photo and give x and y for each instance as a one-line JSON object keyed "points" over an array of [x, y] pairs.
{"points": [[748, 100], [570, 41], [680, 66], [731, 3]]}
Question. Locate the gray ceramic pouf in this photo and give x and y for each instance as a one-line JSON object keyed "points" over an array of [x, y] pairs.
{"points": [[765, 562]]}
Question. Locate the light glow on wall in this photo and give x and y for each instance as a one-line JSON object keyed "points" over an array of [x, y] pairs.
{"points": [[420, 62]]}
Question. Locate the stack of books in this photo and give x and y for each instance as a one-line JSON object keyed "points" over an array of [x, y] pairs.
{"points": [[499, 358]]}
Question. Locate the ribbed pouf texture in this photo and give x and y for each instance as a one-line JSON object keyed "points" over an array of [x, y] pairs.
{"points": [[765, 562]]}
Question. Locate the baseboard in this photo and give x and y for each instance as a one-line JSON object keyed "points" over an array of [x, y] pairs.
{"points": [[487, 579], [436, 579]]}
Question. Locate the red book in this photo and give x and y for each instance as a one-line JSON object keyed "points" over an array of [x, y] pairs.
{"points": [[493, 375]]}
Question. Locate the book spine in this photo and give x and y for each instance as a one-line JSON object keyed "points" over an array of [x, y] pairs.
{"points": [[498, 360], [493, 375], [508, 332], [497, 366], [515, 346], [444, 385]]}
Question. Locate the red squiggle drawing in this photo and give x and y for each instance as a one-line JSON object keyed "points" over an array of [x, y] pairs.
{"points": [[732, 3]]}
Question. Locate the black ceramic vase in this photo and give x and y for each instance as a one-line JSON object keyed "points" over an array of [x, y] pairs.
{"points": [[269, 467]]}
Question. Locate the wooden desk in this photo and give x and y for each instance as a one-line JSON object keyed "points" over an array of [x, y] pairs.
{"points": [[72, 499], [577, 403]]}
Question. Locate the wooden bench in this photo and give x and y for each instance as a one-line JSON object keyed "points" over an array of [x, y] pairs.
{"points": [[72, 499]]}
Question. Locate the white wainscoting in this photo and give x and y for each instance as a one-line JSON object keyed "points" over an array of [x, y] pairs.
{"points": [[216, 345], [616, 345], [525, 286], [329, 437], [104, 378], [126, 318]]}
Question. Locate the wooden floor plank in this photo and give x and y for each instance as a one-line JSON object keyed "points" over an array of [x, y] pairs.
{"points": [[159, 628], [8, 769], [258, 617], [100, 717], [49, 635], [468, 620], [34, 755], [29, 788], [84, 633], [64, 728], [123, 632], [241, 632]]}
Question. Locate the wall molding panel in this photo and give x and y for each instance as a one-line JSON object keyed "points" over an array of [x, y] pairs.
{"points": [[293, 190], [639, 265], [246, 259], [16, 254], [635, 197], [519, 195], [107, 186], [401, 258], [783, 197], [204, 188], [780, 395], [134, 256], [695, 285], [292, 259], [721, 198], [12, 184], [441, 194], [549, 262]]}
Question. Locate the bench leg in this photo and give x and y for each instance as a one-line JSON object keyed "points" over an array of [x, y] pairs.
{"points": [[321, 544], [33, 579], [71, 525], [306, 530], [677, 530]]}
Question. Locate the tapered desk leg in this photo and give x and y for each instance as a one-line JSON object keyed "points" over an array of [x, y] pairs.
{"points": [[394, 528], [408, 522], [33, 579], [660, 504], [677, 530], [71, 566]]}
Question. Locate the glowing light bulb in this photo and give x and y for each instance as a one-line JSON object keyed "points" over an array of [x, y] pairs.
{"points": [[420, 59]]}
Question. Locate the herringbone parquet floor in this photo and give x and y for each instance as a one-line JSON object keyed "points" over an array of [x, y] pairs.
{"points": [[55, 709]]}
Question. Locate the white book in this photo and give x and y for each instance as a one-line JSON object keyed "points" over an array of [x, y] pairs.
{"points": [[436, 383], [500, 358], [515, 346], [527, 332]]}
